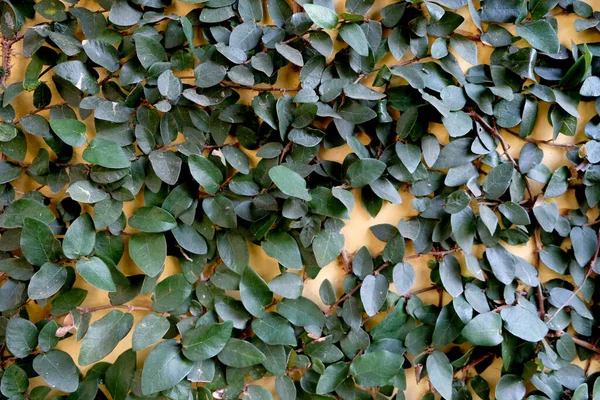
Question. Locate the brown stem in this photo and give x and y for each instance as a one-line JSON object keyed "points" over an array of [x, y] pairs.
{"points": [[7, 54], [578, 342], [540, 294], [474, 363], [587, 275], [546, 142], [261, 89], [384, 266], [128, 307], [285, 150], [494, 132]]}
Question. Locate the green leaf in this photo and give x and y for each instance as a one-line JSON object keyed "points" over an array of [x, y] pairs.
{"points": [[440, 373], [240, 354], [301, 312], [498, 180], [234, 251], [120, 374], [333, 376], [149, 51], [103, 336], [206, 341], [76, 73], [169, 86], [523, 323], [149, 331], [47, 281], [106, 154], [164, 368], [80, 237], [510, 387], [14, 381], [170, 293], [274, 330], [290, 54], [152, 219], [364, 172], [38, 242], [21, 337], [58, 370], [284, 249], [327, 246], [71, 131], [373, 293], [541, 35], [102, 53], [321, 16], [484, 330], [450, 275], [96, 273], [289, 182], [254, 293], [355, 37], [148, 251], [205, 173], [15, 214], [375, 368], [585, 243]]}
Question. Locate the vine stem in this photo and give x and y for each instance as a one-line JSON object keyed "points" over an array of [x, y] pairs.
{"points": [[546, 142], [7, 53], [577, 341], [127, 307], [474, 363], [494, 132], [587, 275], [384, 266]]}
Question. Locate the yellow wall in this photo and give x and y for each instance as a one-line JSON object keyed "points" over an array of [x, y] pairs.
{"points": [[356, 230]]}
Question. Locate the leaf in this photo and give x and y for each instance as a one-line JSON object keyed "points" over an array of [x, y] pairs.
{"points": [[355, 37], [102, 53], [149, 331], [450, 275], [152, 219], [290, 54], [148, 251], [71, 131], [58, 370], [585, 244], [76, 73], [332, 377], [273, 329], [364, 172], [96, 273], [240, 354], [327, 246], [15, 214], [47, 281], [234, 251], [523, 323], [80, 237], [375, 368], [510, 387], [21, 337], [373, 293], [440, 374], [106, 154], [103, 336], [149, 51], [205, 173], [170, 293], [540, 35], [289, 182], [484, 330], [409, 155], [38, 242], [120, 374], [254, 293], [301, 312], [164, 368], [206, 341], [498, 180], [169, 86], [284, 249], [321, 16]]}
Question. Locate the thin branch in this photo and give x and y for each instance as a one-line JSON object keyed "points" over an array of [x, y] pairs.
{"points": [[127, 307], [578, 342], [384, 266], [260, 88], [494, 132], [7, 54], [546, 142], [540, 294], [587, 275], [473, 363]]}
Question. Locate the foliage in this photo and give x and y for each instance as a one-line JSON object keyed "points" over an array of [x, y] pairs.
{"points": [[180, 145]]}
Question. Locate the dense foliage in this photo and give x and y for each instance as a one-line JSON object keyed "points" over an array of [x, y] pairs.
{"points": [[179, 145]]}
